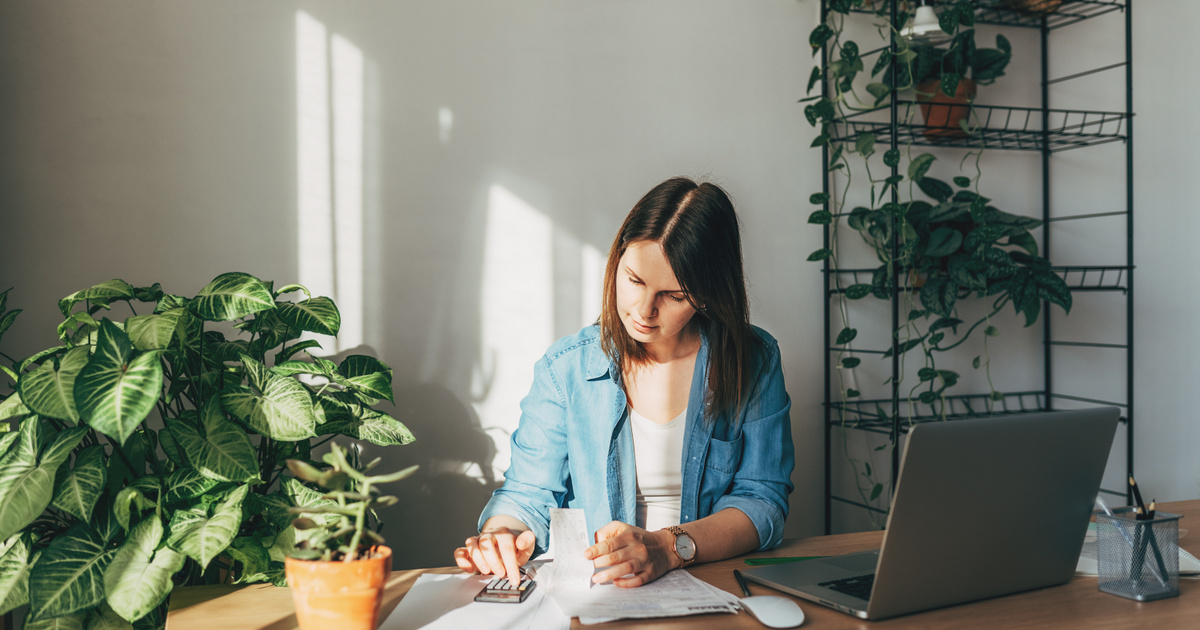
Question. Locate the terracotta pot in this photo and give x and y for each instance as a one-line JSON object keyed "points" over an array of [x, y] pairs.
{"points": [[339, 595], [942, 113], [1033, 7]]}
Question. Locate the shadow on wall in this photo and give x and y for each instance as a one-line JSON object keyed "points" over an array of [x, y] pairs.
{"points": [[440, 504]]}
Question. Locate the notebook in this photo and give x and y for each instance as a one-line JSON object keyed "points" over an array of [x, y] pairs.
{"points": [[982, 508]]}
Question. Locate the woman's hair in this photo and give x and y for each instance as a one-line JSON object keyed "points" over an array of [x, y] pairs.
{"points": [[698, 230]]}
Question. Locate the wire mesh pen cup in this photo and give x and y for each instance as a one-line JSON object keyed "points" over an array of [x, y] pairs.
{"points": [[1138, 559]]}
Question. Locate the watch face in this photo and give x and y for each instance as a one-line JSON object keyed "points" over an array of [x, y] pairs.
{"points": [[685, 547]]}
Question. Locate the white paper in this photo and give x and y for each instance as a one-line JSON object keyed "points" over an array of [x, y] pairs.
{"points": [[675, 594], [569, 536], [446, 602]]}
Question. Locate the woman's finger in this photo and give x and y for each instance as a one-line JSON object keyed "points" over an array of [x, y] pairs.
{"points": [[506, 545], [462, 558], [614, 572], [477, 556]]}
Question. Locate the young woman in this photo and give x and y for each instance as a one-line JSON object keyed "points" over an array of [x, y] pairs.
{"points": [[667, 422]]}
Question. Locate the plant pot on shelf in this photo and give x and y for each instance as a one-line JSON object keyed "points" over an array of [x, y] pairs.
{"points": [[339, 595], [1033, 7], [944, 114]]}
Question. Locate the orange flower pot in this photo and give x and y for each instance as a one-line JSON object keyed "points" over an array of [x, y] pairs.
{"points": [[943, 114], [339, 595]]}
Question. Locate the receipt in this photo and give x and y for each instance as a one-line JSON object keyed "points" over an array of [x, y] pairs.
{"points": [[568, 530]]}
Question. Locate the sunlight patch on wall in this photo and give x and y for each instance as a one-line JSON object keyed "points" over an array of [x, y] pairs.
{"points": [[517, 313], [330, 167], [591, 285]]}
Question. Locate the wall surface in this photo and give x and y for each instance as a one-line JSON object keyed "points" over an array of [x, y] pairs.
{"points": [[453, 171]]}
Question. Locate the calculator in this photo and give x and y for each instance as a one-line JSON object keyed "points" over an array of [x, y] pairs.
{"points": [[501, 590]]}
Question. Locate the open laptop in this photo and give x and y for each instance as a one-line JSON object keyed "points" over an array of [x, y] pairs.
{"points": [[983, 507]]}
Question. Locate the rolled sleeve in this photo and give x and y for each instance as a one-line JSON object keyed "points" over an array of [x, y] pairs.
{"points": [[537, 477], [763, 481]]}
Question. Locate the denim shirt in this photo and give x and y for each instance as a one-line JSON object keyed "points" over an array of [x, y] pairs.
{"points": [[574, 447]]}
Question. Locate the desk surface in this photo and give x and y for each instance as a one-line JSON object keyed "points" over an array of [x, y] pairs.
{"points": [[1075, 604]]}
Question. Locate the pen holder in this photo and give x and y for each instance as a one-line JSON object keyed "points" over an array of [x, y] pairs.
{"points": [[1138, 559]]}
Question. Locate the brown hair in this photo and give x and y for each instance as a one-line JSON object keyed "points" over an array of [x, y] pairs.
{"points": [[698, 230]]}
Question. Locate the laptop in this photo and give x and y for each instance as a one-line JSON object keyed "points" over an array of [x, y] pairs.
{"points": [[982, 508]]}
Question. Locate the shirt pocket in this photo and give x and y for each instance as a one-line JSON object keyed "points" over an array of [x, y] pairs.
{"points": [[724, 456]]}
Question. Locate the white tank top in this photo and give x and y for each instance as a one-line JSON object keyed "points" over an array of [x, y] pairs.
{"points": [[658, 455]]}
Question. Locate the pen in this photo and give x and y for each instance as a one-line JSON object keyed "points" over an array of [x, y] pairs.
{"points": [[741, 582], [1137, 494], [1134, 546]]}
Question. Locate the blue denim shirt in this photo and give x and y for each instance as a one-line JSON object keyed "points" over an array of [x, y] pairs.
{"points": [[574, 447]]}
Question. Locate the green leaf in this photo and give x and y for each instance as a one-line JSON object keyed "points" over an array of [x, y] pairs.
{"points": [[919, 166], [813, 78], [187, 483], [285, 354], [852, 393], [865, 144], [319, 315], [820, 140], [117, 390], [997, 396], [891, 157], [66, 622], [254, 558], [851, 362], [102, 294], [49, 390], [282, 411], [378, 428], [202, 537], [103, 617], [1053, 289], [12, 407], [846, 336], [69, 576], [991, 331], [876, 491], [905, 346], [223, 451], [818, 198], [879, 91], [39, 356], [77, 489], [819, 36], [820, 254], [944, 241], [139, 577], [128, 506], [290, 288], [232, 296], [368, 375], [962, 182], [858, 291], [27, 479], [976, 363], [153, 332], [936, 188], [939, 295], [14, 572], [926, 374], [821, 217]]}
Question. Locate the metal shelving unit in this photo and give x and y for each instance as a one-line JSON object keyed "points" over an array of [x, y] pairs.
{"points": [[1041, 129]]}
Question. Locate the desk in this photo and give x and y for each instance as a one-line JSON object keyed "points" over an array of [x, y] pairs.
{"points": [[1077, 604]]}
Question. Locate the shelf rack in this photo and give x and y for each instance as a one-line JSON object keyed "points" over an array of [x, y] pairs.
{"points": [[1041, 129]]}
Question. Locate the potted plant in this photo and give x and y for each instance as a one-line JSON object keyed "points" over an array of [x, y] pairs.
{"points": [[340, 566], [150, 442]]}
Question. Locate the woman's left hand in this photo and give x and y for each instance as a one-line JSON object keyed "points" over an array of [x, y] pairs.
{"points": [[633, 555]]}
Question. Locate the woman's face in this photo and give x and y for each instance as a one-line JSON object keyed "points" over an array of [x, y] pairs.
{"points": [[651, 303]]}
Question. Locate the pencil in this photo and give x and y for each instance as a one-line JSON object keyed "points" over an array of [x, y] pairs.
{"points": [[1137, 494]]}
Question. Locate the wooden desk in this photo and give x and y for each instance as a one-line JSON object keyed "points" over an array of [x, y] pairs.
{"points": [[1077, 604]]}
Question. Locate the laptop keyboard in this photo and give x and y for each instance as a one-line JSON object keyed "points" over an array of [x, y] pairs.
{"points": [[858, 586]]}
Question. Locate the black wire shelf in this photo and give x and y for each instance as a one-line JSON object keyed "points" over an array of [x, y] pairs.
{"points": [[865, 414], [1001, 12], [991, 127], [1077, 277]]}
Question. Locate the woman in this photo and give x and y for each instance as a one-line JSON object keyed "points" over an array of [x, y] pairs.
{"points": [[667, 422]]}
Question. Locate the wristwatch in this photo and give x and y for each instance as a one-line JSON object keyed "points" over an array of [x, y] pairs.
{"points": [[684, 547]]}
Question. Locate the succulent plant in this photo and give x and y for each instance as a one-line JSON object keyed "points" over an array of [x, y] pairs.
{"points": [[336, 527]]}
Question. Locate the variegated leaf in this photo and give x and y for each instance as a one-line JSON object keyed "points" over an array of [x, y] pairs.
{"points": [[232, 296], [203, 537], [153, 332], [224, 452], [283, 411], [117, 390], [50, 389], [77, 489], [102, 294], [319, 315], [69, 576], [139, 577]]}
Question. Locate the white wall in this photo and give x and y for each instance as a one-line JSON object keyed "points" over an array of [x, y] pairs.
{"points": [[164, 141], [171, 142]]}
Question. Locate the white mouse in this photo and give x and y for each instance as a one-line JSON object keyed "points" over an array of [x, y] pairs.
{"points": [[774, 611]]}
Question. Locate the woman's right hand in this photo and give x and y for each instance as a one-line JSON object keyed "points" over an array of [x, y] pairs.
{"points": [[497, 551]]}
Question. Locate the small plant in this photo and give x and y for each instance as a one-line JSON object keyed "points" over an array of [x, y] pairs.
{"points": [[337, 529]]}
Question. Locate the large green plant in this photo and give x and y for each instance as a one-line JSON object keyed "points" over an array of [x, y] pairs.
{"points": [[148, 451]]}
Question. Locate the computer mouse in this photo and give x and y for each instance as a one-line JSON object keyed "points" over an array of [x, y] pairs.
{"points": [[774, 611]]}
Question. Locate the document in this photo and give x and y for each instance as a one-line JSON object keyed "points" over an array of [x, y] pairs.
{"points": [[675, 594], [446, 602]]}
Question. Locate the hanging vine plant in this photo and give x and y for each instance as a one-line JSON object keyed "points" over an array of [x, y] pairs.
{"points": [[938, 244]]}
